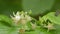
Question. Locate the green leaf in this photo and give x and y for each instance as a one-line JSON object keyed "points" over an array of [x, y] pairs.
{"points": [[51, 16], [8, 30], [57, 29], [4, 29], [54, 19], [6, 20], [6, 25]]}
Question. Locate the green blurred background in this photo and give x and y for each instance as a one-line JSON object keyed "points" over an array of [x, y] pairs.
{"points": [[38, 7]]}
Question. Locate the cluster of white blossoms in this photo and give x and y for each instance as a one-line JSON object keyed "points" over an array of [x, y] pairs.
{"points": [[21, 17]]}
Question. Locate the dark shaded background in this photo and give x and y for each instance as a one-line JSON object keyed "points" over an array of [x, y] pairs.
{"points": [[38, 7]]}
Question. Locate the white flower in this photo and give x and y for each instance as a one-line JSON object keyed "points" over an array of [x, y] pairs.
{"points": [[33, 26], [16, 17], [28, 18], [21, 17], [49, 26]]}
